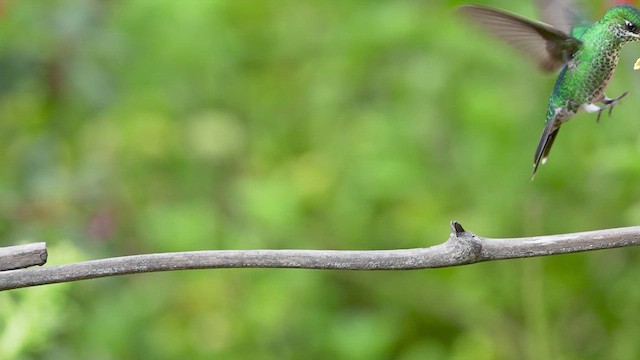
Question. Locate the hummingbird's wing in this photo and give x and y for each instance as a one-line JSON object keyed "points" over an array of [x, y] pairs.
{"points": [[549, 47], [563, 15]]}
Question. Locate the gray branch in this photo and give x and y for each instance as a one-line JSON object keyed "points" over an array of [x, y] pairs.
{"points": [[22, 256], [461, 248]]}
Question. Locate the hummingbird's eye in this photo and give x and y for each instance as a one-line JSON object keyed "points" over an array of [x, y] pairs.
{"points": [[631, 26]]}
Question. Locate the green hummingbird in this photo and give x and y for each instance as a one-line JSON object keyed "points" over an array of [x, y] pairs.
{"points": [[587, 55]]}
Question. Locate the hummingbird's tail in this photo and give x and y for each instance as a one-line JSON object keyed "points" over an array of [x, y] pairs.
{"points": [[544, 146]]}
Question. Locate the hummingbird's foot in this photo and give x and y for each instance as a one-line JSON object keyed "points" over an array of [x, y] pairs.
{"points": [[609, 104]]}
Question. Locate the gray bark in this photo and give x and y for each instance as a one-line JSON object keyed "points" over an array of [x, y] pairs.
{"points": [[461, 248], [21, 256]]}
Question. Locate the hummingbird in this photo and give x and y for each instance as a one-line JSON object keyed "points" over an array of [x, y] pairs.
{"points": [[586, 54]]}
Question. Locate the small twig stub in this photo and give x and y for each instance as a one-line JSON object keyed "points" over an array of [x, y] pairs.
{"points": [[22, 256]]}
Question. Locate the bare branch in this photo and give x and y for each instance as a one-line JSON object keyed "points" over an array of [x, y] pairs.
{"points": [[22, 256], [461, 248]]}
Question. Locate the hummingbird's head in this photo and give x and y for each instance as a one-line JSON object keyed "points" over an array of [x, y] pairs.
{"points": [[624, 22]]}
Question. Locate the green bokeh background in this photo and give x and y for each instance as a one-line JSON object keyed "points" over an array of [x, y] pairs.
{"points": [[146, 126]]}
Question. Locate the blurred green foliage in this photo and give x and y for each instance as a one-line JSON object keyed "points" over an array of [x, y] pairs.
{"points": [[155, 125]]}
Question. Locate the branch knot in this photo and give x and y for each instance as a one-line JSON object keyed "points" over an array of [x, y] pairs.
{"points": [[466, 247]]}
